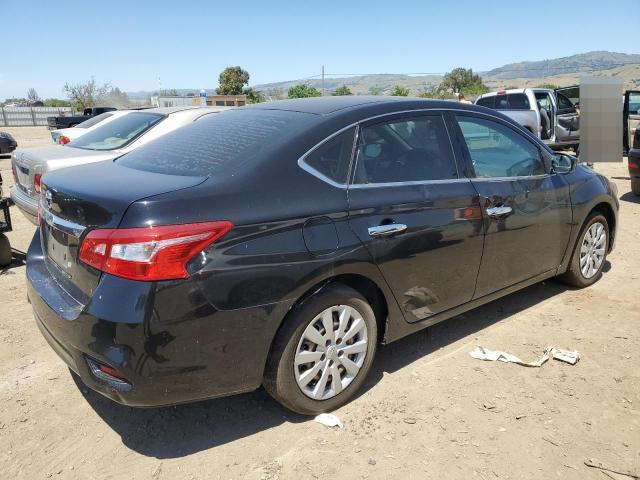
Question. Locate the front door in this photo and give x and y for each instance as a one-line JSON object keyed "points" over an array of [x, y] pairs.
{"points": [[527, 210], [567, 121], [416, 214], [631, 113]]}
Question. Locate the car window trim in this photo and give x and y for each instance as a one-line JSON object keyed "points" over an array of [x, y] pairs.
{"points": [[358, 124], [467, 154], [309, 169]]}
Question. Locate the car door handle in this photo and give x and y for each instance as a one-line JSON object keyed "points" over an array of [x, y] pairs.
{"points": [[386, 230], [497, 212]]}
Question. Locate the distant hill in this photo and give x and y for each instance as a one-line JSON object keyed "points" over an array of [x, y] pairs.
{"points": [[581, 63], [560, 71]]}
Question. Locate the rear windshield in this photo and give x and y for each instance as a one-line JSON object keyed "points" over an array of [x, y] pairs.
{"points": [[118, 132], [510, 101], [92, 121], [217, 142]]}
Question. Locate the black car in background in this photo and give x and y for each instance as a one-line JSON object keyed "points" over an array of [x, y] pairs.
{"points": [[64, 121], [7, 143], [280, 244], [634, 163]]}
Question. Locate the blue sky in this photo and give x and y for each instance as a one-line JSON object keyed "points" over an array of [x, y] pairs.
{"points": [[187, 44]]}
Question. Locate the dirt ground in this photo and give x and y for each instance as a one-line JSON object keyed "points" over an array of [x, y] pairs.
{"points": [[429, 410]]}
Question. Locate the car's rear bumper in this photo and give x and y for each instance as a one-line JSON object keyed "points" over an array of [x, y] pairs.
{"points": [[7, 147], [27, 204], [170, 344]]}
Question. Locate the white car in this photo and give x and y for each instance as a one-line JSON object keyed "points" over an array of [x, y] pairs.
{"points": [[107, 141], [62, 136]]}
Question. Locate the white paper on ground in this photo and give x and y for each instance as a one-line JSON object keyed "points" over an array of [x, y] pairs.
{"points": [[329, 420], [568, 356]]}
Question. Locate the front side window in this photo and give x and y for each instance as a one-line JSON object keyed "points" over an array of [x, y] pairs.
{"points": [[332, 158], [498, 151], [563, 102], [486, 101], [117, 133], [411, 150]]}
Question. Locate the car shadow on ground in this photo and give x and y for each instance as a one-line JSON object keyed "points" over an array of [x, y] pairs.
{"points": [[630, 197], [18, 259], [173, 432]]}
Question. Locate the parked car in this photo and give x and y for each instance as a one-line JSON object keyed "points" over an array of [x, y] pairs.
{"points": [[5, 226], [634, 162], [7, 143], [279, 244], [114, 138], [631, 117], [548, 114], [64, 121], [65, 135]]}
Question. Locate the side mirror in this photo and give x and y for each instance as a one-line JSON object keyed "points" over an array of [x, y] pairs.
{"points": [[562, 163]]}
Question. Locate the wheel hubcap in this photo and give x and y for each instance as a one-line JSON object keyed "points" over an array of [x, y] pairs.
{"points": [[330, 352], [592, 250]]}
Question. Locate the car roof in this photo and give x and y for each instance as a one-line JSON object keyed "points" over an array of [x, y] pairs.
{"points": [[330, 106], [504, 92]]}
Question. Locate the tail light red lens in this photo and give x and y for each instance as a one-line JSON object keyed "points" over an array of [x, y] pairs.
{"points": [[36, 182], [63, 140], [633, 164], [149, 253]]}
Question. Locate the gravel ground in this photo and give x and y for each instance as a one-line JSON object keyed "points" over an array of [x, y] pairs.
{"points": [[428, 410]]}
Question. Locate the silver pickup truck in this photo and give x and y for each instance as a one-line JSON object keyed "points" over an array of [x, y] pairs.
{"points": [[548, 114]]}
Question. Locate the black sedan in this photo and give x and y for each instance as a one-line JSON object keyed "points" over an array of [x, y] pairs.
{"points": [[7, 143], [280, 244]]}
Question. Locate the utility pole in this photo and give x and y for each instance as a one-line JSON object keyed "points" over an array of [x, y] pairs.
{"points": [[323, 80]]}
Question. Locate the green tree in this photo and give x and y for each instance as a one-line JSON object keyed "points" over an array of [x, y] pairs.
{"points": [[254, 96], [56, 102], [400, 91], [551, 86], [340, 91], [232, 81], [303, 91], [462, 80]]}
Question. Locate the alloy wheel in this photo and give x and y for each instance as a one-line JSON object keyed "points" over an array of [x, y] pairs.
{"points": [[330, 352], [592, 249]]}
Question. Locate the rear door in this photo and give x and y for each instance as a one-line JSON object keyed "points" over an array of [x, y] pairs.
{"points": [[418, 216], [527, 210], [567, 121], [631, 112]]}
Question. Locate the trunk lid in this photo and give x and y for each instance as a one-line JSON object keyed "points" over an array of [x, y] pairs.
{"points": [[91, 196]]}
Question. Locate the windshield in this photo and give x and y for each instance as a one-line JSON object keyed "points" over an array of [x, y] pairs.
{"points": [[117, 133], [95, 120]]}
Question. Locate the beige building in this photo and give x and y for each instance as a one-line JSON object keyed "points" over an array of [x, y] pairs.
{"points": [[223, 100]]}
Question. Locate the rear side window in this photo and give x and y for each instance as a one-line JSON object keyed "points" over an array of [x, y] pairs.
{"points": [[218, 142], [332, 158], [512, 101], [118, 132], [486, 101], [498, 151], [95, 120], [411, 150]]}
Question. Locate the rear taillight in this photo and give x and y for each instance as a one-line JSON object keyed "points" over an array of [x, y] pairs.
{"points": [[63, 140], [36, 182], [149, 253], [633, 164]]}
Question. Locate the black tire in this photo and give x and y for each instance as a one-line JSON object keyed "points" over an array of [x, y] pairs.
{"points": [[280, 380], [573, 275], [635, 186], [5, 251]]}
